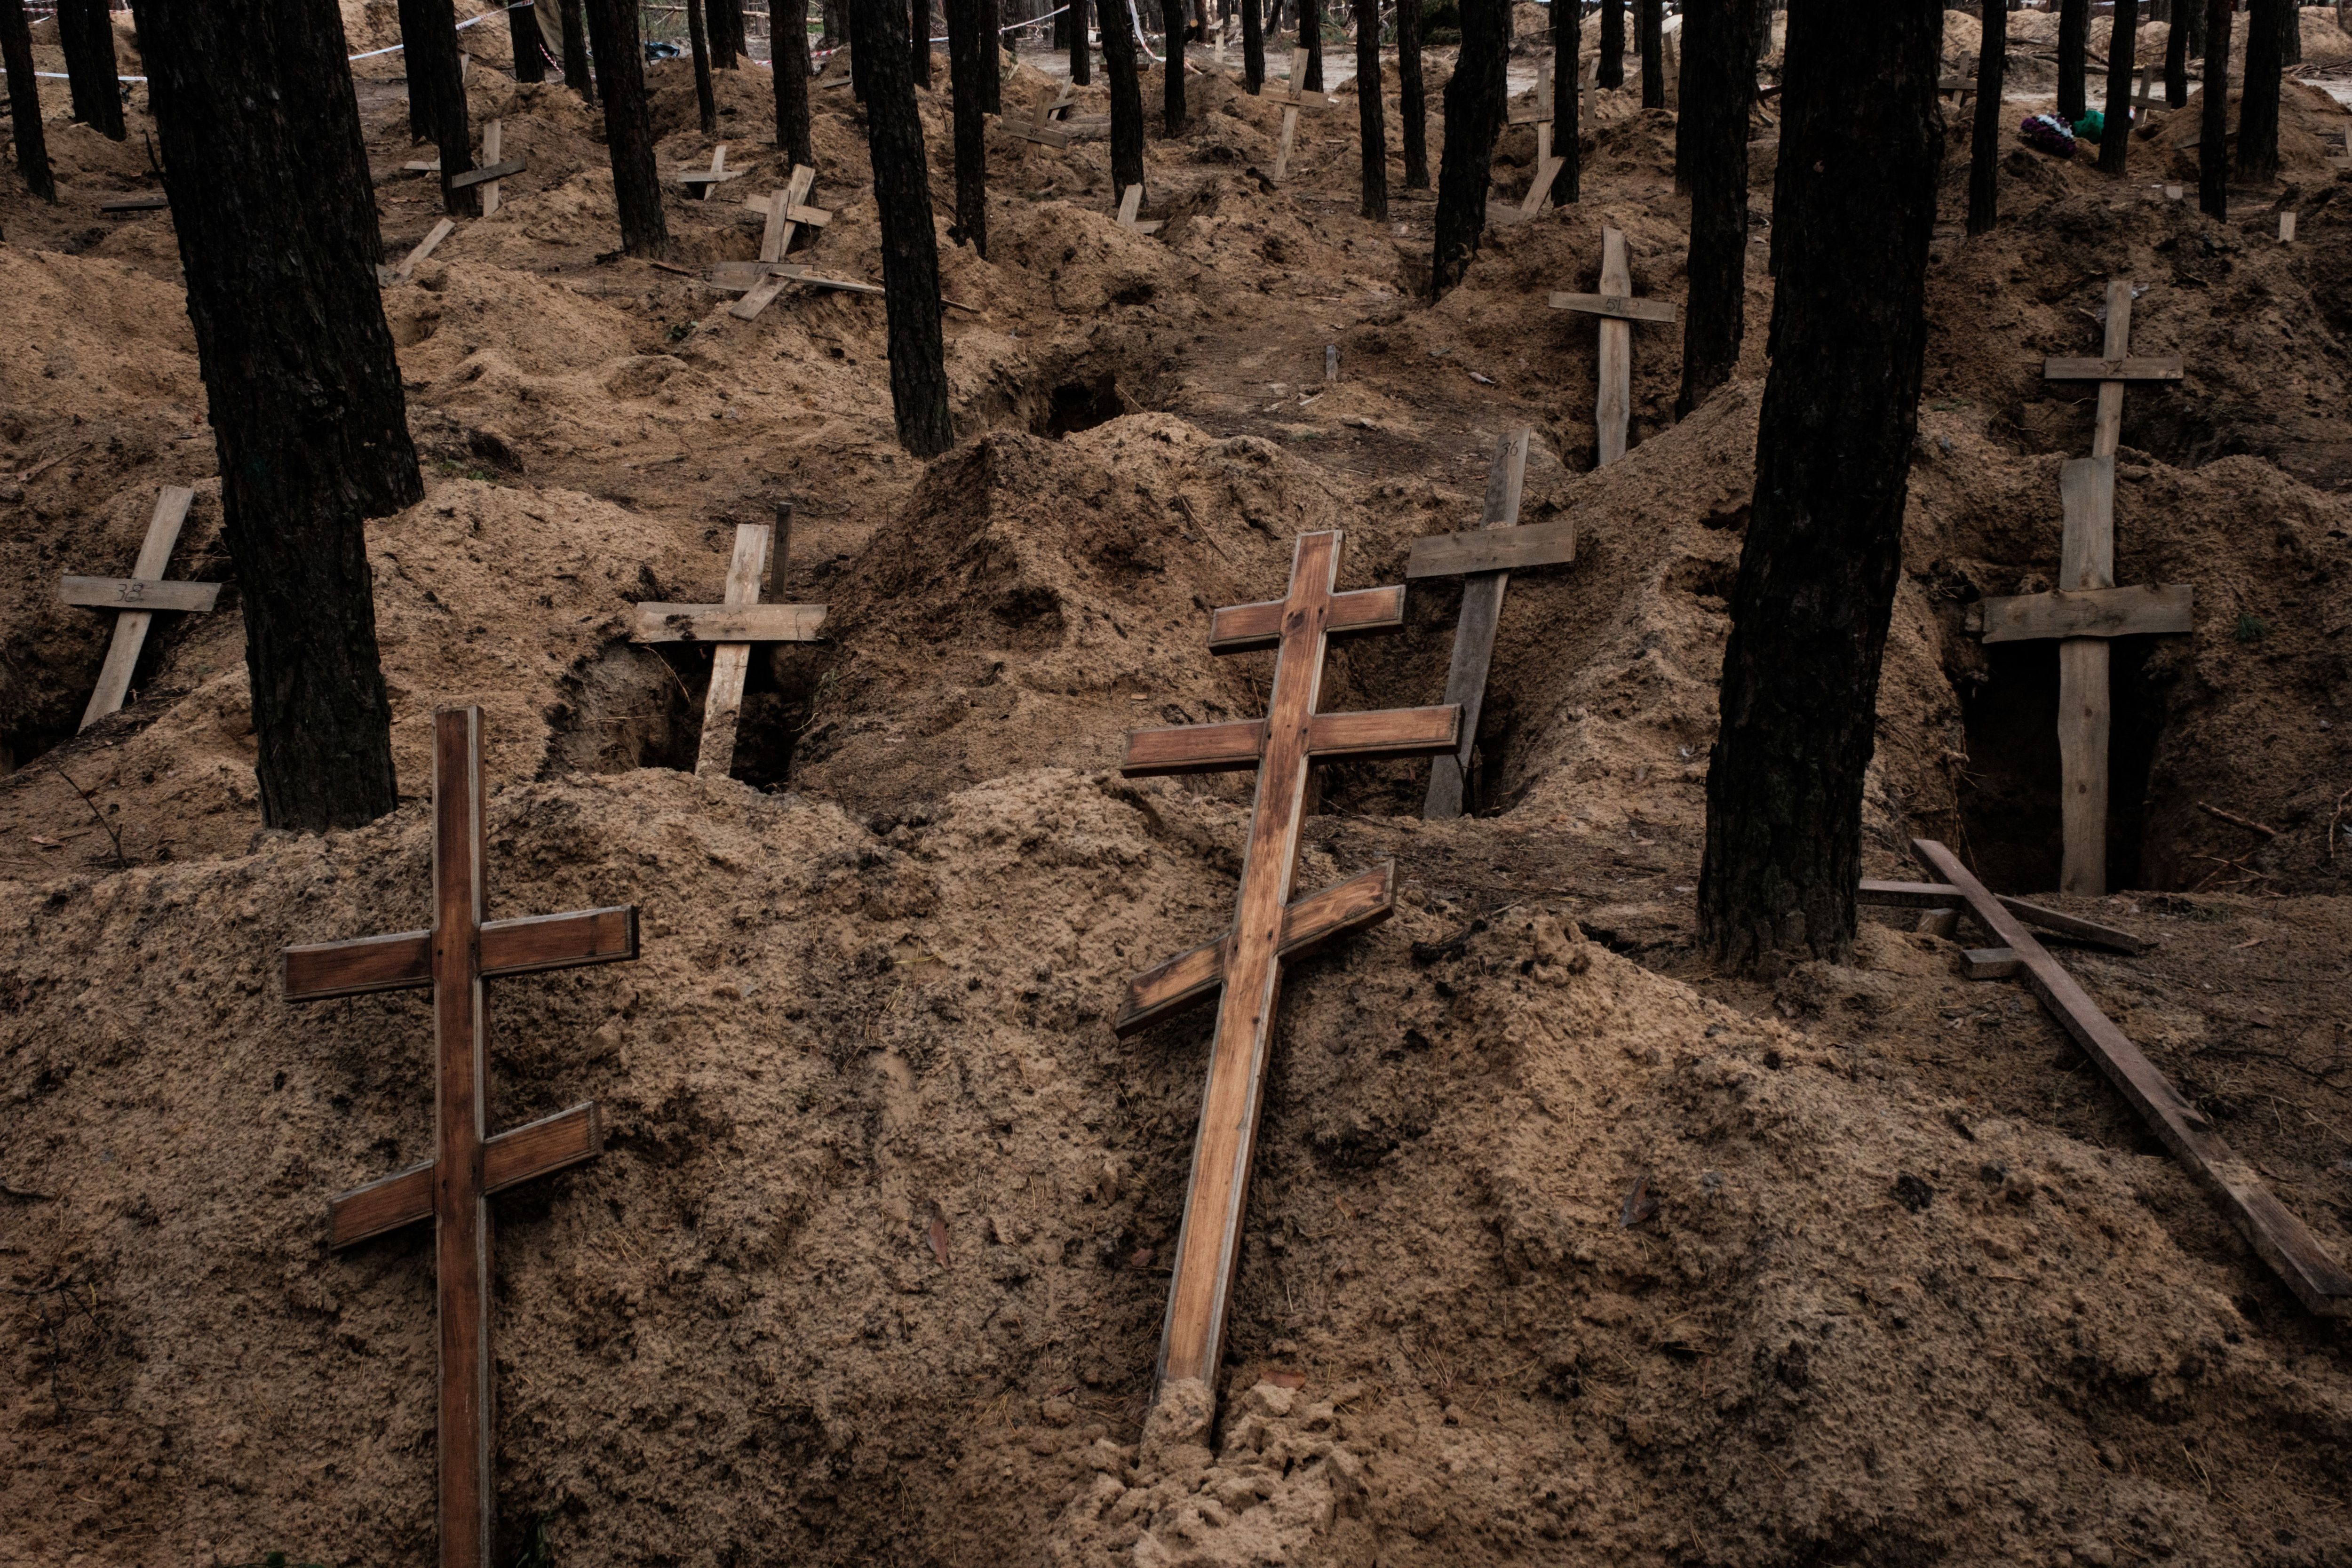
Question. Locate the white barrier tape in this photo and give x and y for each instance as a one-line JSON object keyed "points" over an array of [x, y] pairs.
{"points": [[470, 22]]}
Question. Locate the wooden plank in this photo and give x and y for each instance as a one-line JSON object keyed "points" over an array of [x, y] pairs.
{"points": [[2169, 367], [2085, 560], [776, 242], [1191, 978], [729, 623], [2086, 549], [1939, 895], [722, 707], [1905, 895], [1250, 628], [1617, 306], [493, 143], [1474, 629], [2281, 1239], [1991, 963], [2142, 610], [318, 970], [1194, 749], [1613, 410], [321, 970], [1498, 549], [539, 1148], [1538, 109], [138, 594], [1385, 732], [1290, 138], [2107, 426], [171, 503], [488, 173], [388, 276], [136, 204]]}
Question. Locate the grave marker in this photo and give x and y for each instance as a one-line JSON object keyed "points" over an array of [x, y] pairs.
{"points": [[1294, 98], [734, 624], [451, 1190], [1130, 201], [387, 277], [1037, 127], [1485, 556], [785, 211], [1539, 115], [1617, 309], [1246, 962], [137, 598], [711, 178]]}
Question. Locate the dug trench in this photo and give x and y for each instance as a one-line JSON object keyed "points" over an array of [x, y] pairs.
{"points": [[1562, 1246]]}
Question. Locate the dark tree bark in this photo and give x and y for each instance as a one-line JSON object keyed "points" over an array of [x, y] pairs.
{"points": [[530, 54], [629, 127], [420, 103], [576, 72], [2115, 141], [968, 56], [2197, 11], [995, 21], [2214, 119], [2289, 20], [918, 41], [2258, 106], [1613, 44], [1651, 15], [1473, 115], [787, 46], [1413, 96], [1171, 96], [722, 24], [1310, 38], [1566, 68], [1253, 47], [2073, 43], [830, 30], [1371, 114], [1818, 574], [698, 37], [1061, 31], [1719, 79], [259, 131], [911, 252], [436, 74], [25, 100], [2176, 56], [1082, 71], [1126, 98], [86, 31], [1984, 144]]}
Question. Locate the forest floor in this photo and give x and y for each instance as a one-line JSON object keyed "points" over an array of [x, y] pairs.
{"points": [[873, 1265]]}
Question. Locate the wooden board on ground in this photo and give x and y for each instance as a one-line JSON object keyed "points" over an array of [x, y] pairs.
{"points": [[1037, 127], [387, 277], [705, 181], [1130, 201], [1617, 309], [136, 204], [785, 211], [748, 275], [138, 597]]}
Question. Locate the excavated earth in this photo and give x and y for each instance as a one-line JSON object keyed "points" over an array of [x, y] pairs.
{"points": [[1562, 1247]]}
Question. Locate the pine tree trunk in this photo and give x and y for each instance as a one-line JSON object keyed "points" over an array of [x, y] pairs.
{"points": [[788, 52], [910, 254], [1370, 113], [2258, 107], [629, 127], [530, 54], [968, 58], [992, 24], [1310, 37], [2196, 10], [722, 21], [259, 131], [2213, 118], [1823, 554], [420, 104], [2290, 16], [1567, 74], [2073, 43], [918, 41], [1984, 144], [1126, 98], [25, 100], [1253, 48], [2176, 56], [1719, 72], [2115, 139], [1082, 72], [1651, 15], [1062, 30], [1413, 96], [1473, 116], [1613, 44], [1171, 97], [829, 25], [698, 38], [86, 31], [577, 73], [435, 72]]}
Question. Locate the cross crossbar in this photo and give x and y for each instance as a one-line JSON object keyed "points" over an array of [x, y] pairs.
{"points": [[1361, 901], [386, 277], [137, 594], [785, 211], [2148, 610], [488, 173], [1616, 307], [734, 625], [138, 597]]}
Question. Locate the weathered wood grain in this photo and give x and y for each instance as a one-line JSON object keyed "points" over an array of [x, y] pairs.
{"points": [[138, 594], [1192, 977], [1251, 628], [2142, 610], [729, 623], [171, 503]]}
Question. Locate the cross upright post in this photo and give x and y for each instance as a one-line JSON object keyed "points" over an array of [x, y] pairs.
{"points": [[1244, 967], [452, 1189], [137, 598], [1538, 114], [785, 211], [1618, 310]]}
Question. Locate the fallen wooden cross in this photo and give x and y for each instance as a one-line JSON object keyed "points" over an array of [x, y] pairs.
{"points": [[2144, 98], [136, 204], [1485, 556], [387, 277], [718, 173], [734, 624], [1130, 201], [1037, 127], [1246, 962], [1617, 309], [785, 211], [1942, 897], [137, 598], [1294, 98], [748, 275], [1962, 81], [451, 1190], [2274, 1232], [1538, 114]]}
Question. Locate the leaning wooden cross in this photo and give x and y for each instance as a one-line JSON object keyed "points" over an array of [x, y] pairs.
{"points": [[785, 211], [734, 624], [486, 175], [136, 598], [1618, 310], [2273, 1229], [1038, 126], [1485, 557], [711, 178], [1294, 98], [1538, 114], [1130, 203], [386, 277], [451, 1190], [1268, 927], [2088, 608]]}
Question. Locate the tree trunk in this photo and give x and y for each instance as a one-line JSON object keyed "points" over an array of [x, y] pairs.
{"points": [[1171, 97], [2290, 15], [420, 104], [1567, 70], [1823, 552], [2115, 139], [1719, 74], [968, 59], [918, 41], [1473, 115], [2176, 56], [2197, 12], [1651, 13], [2073, 42], [86, 31], [435, 72], [629, 127], [1253, 48], [529, 53], [910, 254], [1126, 98], [259, 131], [722, 21], [1310, 38], [1371, 117], [576, 72], [2258, 106], [1413, 98], [788, 51], [993, 22], [1613, 44], [2213, 118], [25, 100], [1984, 144], [698, 37], [1082, 72]]}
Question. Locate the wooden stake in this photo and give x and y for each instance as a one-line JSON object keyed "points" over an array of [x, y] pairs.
{"points": [[1130, 203], [1294, 97], [493, 141], [1617, 309], [734, 624], [389, 276], [452, 1188], [137, 598], [785, 210]]}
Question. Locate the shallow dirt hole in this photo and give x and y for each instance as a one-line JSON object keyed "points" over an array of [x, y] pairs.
{"points": [[1081, 404]]}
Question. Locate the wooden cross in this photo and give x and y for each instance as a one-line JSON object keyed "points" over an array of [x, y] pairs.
{"points": [[1539, 116], [1294, 97], [136, 598], [751, 274], [1962, 81], [1485, 556], [1617, 309], [711, 178], [386, 277], [1036, 128], [735, 625], [487, 176], [786, 211], [1246, 962], [1130, 201], [2274, 1230], [2088, 608], [452, 1188]]}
